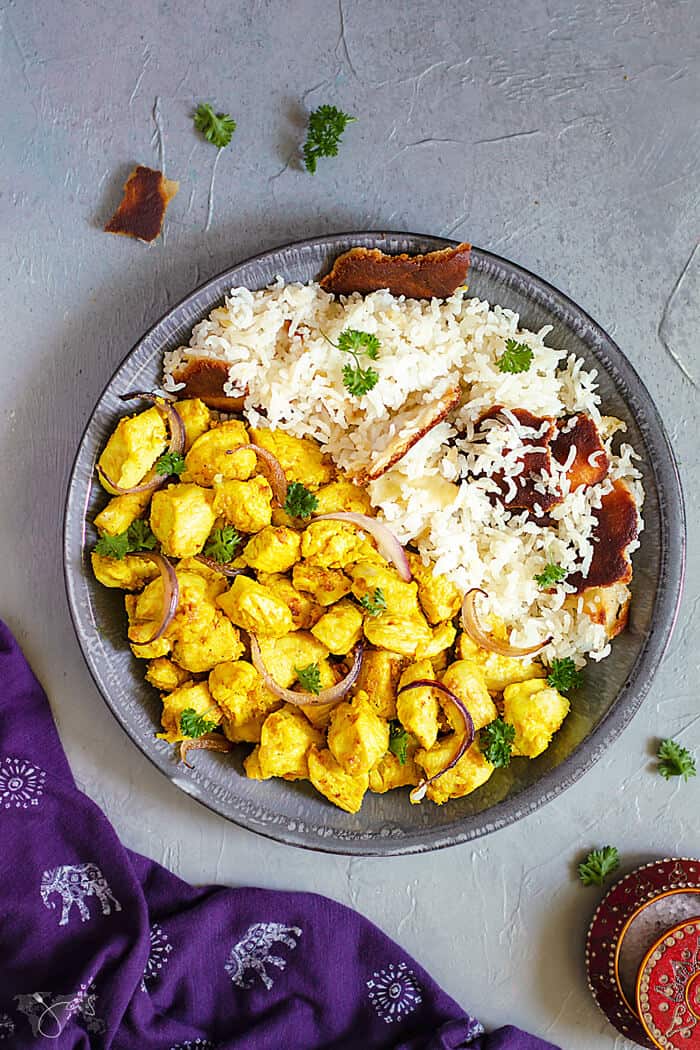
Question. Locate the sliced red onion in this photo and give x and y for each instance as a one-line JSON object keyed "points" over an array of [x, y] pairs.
{"points": [[177, 444], [387, 543], [224, 567], [171, 592], [208, 742], [418, 792], [272, 469], [145, 486], [327, 696], [472, 627]]}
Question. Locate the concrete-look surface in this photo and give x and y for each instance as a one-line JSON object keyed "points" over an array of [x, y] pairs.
{"points": [[561, 134]]}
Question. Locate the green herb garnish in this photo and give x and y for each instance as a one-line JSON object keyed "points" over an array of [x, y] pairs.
{"points": [[358, 380], [170, 463], [326, 125], [599, 863], [497, 741], [113, 546], [300, 503], [552, 574], [398, 740], [375, 603], [138, 537], [309, 678], [517, 357], [222, 543], [564, 676], [194, 725], [675, 760], [217, 128]]}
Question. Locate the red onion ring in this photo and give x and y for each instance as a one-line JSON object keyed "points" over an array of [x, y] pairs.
{"points": [[476, 632], [177, 444], [208, 742], [272, 469], [327, 696], [220, 566], [387, 543], [171, 593], [418, 792]]}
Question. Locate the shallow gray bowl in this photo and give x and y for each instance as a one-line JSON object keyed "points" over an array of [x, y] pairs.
{"points": [[389, 824]]}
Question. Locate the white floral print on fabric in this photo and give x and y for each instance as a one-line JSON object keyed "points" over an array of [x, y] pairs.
{"points": [[157, 956], [73, 883], [21, 783], [252, 954], [7, 1026], [194, 1044], [48, 1014], [394, 992]]}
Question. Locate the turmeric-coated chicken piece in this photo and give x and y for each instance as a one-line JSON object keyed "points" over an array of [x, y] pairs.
{"points": [[121, 512], [245, 702], [379, 679], [274, 549], [498, 671], [357, 736], [343, 789], [301, 459], [439, 597], [305, 612], [218, 452], [335, 544], [129, 573], [441, 639], [247, 505], [466, 776], [145, 610], [251, 764], [165, 675], [133, 448], [398, 634], [194, 696], [325, 585], [401, 598], [256, 608], [390, 772], [200, 648], [339, 629], [344, 496], [466, 681], [418, 709], [298, 649], [537, 711], [182, 518], [286, 739], [216, 582], [197, 419]]}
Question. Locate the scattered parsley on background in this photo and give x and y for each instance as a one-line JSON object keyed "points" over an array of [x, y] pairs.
{"points": [[675, 760], [300, 503], [598, 865], [309, 678], [217, 128], [563, 675], [222, 543], [517, 357], [326, 126], [497, 740]]}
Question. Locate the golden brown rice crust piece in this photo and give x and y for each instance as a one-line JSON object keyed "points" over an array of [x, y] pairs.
{"points": [[140, 214], [434, 275], [204, 377], [617, 525], [584, 435]]}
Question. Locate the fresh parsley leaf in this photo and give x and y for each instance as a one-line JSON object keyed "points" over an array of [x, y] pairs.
{"points": [[113, 546], [675, 760], [598, 865], [353, 341], [300, 503], [170, 463], [552, 574], [517, 357], [326, 126], [359, 381], [194, 725], [309, 678], [222, 543], [398, 741], [375, 603], [138, 537], [563, 675], [217, 128], [497, 741], [356, 379]]}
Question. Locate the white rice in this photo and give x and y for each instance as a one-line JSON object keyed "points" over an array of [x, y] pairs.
{"points": [[278, 343]]}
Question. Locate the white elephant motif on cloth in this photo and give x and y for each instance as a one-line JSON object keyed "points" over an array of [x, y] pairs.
{"points": [[252, 953], [73, 883]]}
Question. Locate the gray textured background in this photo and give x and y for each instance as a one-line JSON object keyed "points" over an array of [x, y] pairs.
{"points": [[563, 135]]}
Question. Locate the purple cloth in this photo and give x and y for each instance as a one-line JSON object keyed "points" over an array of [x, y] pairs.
{"points": [[103, 948]]}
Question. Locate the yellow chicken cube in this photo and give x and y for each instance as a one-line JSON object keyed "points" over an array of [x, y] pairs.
{"points": [[200, 649], [247, 505], [401, 598], [193, 608], [133, 448], [218, 452], [121, 512], [439, 597], [305, 612], [398, 634], [285, 742], [441, 639], [418, 709], [340, 629], [357, 736], [334, 544], [197, 418], [470, 773], [344, 496], [166, 676], [326, 585], [256, 608], [343, 789], [182, 518], [466, 681], [274, 549], [193, 696], [129, 573], [296, 650], [216, 582], [498, 671], [379, 679], [245, 702], [252, 765], [301, 459], [537, 712], [390, 773]]}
